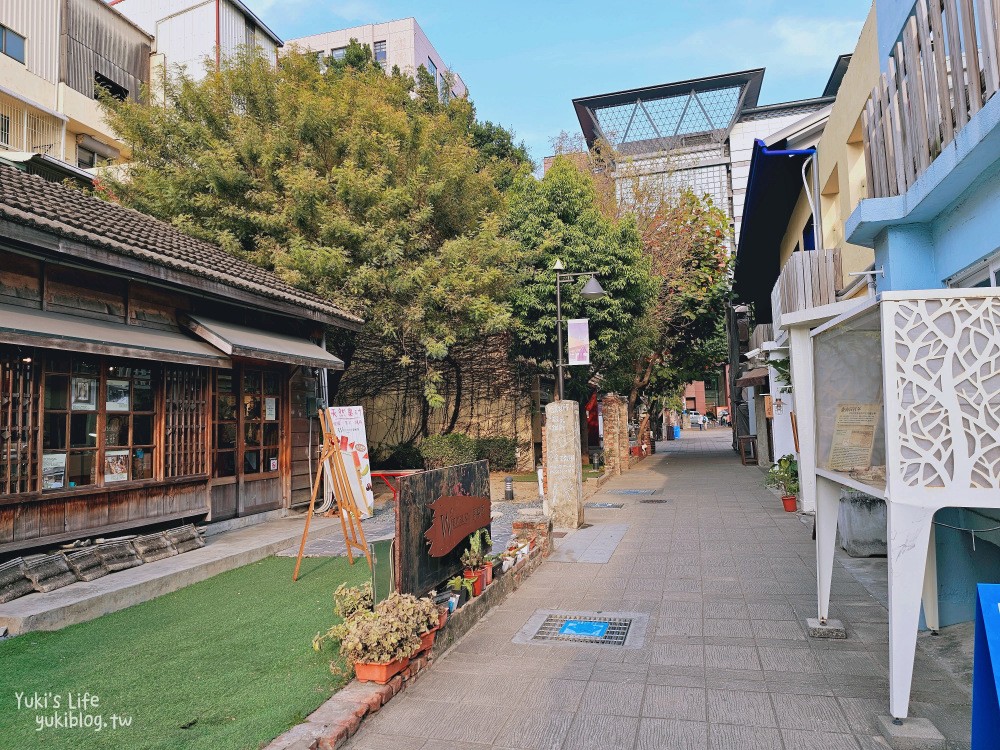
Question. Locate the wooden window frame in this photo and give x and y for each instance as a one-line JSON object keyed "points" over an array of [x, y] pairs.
{"points": [[242, 421], [42, 369]]}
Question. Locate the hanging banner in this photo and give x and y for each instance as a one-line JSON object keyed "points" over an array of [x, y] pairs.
{"points": [[579, 341], [349, 424]]}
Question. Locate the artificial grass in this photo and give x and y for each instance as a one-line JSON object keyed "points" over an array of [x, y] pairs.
{"points": [[224, 664]]}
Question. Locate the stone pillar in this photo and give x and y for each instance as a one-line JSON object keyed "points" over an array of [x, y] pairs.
{"points": [[612, 418], [623, 447], [563, 469]]}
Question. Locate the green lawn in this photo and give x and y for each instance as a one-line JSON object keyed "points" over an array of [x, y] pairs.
{"points": [[224, 664]]}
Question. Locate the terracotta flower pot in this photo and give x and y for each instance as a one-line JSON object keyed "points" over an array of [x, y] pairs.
{"points": [[379, 672], [789, 501], [488, 573], [427, 640], [477, 577]]}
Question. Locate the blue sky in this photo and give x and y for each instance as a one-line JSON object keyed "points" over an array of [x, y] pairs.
{"points": [[524, 62]]}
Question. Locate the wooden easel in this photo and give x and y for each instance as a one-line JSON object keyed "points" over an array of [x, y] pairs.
{"points": [[346, 506]]}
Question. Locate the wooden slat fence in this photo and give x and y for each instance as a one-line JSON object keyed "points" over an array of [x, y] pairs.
{"points": [[943, 68], [808, 279]]}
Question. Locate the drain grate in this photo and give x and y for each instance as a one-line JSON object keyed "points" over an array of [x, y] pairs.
{"points": [[598, 630], [604, 505], [654, 501], [624, 630], [632, 492]]}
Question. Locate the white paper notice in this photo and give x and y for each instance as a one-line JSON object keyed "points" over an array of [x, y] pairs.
{"points": [[853, 436]]}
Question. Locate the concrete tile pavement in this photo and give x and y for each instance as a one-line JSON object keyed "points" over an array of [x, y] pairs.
{"points": [[727, 579]]}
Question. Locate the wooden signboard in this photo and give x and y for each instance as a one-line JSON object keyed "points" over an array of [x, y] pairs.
{"points": [[460, 497], [455, 517]]}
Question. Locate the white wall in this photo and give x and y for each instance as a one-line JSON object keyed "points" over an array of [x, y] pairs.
{"points": [[187, 39]]}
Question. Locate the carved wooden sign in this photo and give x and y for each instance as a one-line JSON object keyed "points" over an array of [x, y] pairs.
{"points": [[455, 517]]}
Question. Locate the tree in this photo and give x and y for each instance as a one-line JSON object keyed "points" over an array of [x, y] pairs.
{"points": [[557, 218], [362, 187], [686, 240]]}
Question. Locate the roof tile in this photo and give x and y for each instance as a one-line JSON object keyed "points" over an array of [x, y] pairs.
{"points": [[34, 201]]}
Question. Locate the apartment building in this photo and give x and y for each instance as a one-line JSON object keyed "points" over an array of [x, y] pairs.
{"points": [[395, 44], [190, 33], [54, 56]]}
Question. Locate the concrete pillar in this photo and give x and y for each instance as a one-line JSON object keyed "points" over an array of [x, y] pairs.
{"points": [[564, 472], [623, 446], [613, 427]]}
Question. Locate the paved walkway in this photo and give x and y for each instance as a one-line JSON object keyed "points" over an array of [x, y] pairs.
{"points": [[726, 579]]}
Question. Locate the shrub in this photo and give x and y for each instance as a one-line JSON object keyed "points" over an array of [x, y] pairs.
{"points": [[377, 638], [501, 452], [399, 456], [420, 614], [447, 450], [347, 599]]}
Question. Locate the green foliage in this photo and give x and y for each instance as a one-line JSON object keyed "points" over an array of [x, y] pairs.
{"points": [[350, 599], [400, 456], [361, 187], [448, 450], [557, 217], [784, 475], [501, 452], [783, 367]]}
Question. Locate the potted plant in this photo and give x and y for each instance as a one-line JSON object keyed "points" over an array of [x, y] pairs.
{"points": [[784, 476], [473, 559], [463, 591], [349, 599], [378, 645], [491, 563]]}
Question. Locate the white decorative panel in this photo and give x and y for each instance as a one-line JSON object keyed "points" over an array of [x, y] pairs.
{"points": [[947, 374]]}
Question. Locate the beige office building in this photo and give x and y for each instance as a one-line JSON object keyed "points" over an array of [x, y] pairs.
{"points": [[401, 44]]}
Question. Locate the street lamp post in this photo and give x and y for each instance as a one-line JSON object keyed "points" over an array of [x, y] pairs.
{"points": [[592, 290]]}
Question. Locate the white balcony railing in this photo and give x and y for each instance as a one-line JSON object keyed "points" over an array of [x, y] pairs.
{"points": [[808, 279], [940, 73], [25, 129]]}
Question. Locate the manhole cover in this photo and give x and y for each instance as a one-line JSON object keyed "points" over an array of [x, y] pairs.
{"points": [[654, 500], [632, 492], [619, 629], [604, 505]]}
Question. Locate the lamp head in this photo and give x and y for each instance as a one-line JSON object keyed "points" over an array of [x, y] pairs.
{"points": [[592, 289], [558, 265]]}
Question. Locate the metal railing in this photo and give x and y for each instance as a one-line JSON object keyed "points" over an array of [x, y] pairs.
{"points": [[941, 71], [808, 279], [25, 129]]}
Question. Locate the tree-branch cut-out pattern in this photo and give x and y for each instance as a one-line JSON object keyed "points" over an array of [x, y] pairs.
{"points": [[948, 382]]}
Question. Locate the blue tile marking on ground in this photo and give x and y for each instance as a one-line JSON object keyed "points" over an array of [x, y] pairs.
{"points": [[585, 628]]}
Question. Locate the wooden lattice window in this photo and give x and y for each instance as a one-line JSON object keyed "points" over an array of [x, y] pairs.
{"points": [[248, 413], [18, 423], [185, 422], [99, 423]]}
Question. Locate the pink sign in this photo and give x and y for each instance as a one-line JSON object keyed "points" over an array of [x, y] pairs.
{"points": [[579, 341]]}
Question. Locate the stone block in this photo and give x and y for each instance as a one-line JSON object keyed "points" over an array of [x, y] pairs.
{"points": [[564, 499], [832, 628], [911, 734], [861, 524]]}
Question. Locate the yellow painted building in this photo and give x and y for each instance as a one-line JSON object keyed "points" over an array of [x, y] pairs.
{"points": [[54, 54], [840, 155]]}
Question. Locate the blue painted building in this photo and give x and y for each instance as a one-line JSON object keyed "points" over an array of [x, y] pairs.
{"points": [[932, 149]]}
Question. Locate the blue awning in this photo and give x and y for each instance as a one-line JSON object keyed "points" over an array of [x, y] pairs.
{"points": [[773, 188]]}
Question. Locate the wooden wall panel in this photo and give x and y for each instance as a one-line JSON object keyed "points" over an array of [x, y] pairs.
{"points": [[20, 280], [259, 496], [303, 387]]}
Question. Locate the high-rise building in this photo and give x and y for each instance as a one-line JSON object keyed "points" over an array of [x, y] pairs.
{"points": [[400, 43]]}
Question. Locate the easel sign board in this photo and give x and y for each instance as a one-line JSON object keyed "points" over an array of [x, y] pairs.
{"points": [[986, 668], [349, 424]]}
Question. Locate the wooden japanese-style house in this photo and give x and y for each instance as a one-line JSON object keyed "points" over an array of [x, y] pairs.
{"points": [[145, 376]]}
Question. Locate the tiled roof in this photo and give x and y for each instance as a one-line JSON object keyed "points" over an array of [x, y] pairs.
{"points": [[27, 199]]}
